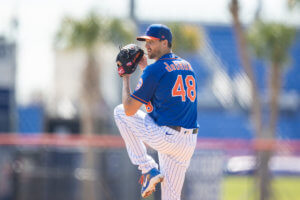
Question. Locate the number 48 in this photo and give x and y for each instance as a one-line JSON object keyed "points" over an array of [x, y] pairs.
{"points": [[178, 88]]}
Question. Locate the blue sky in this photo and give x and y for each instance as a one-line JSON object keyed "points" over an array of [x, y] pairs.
{"points": [[39, 21]]}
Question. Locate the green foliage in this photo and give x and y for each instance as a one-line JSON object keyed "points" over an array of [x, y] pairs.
{"points": [[80, 33], [120, 32], [186, 38], [293, 4], [271, 41], [87, 33]]}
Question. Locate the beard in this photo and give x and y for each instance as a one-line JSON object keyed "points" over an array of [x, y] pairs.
{"points": [[154, 54], [151, 55]]}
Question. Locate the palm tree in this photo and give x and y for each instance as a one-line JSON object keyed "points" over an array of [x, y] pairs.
{"points": [[85, 34], [88, 34], [187, 38], [246, 64], [271, 42]]}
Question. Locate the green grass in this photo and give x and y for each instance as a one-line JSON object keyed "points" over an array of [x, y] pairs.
{"points": [[242, 188]]}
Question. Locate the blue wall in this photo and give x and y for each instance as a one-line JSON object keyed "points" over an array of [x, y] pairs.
{"points": [[30, 119]]}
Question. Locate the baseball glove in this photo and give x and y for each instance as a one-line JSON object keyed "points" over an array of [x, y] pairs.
{"points": [[128, 59]]}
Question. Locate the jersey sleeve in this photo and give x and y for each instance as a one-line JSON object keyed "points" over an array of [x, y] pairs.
{"points": [[147, 85]]}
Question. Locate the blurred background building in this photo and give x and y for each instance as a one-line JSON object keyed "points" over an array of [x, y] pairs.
{"points": [[8, 116]]}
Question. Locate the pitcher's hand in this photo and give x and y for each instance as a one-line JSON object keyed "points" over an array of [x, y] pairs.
{"points": [[143, 63]]}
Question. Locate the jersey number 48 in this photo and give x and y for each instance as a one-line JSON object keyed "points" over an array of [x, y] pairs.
{"points": [[178, 88]]}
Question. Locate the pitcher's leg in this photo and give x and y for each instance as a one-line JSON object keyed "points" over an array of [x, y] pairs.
{"points": [[174, 174], [130, 128], [174, 165]]}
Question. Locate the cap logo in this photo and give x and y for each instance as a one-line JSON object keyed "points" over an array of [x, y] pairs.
{"points": [[163, 36]]}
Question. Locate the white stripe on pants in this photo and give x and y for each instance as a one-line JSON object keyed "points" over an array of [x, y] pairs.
{"points": [[175, 149]]}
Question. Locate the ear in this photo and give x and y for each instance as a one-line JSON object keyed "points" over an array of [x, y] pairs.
{"points": [[165, 43]]}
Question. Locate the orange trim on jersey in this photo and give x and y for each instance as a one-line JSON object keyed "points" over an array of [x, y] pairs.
{"points": [[140, 99]]}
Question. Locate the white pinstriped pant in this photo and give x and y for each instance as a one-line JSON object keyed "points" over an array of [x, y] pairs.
{"points": [[175, 149]]}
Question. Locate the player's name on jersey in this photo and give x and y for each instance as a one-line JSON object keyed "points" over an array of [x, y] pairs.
{"points": [[178, 65]]}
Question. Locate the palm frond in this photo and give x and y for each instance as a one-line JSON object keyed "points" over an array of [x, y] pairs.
{"points": [[271, 41]]}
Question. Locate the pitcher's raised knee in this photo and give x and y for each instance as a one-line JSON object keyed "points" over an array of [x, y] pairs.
{"points": [[119, 111]]}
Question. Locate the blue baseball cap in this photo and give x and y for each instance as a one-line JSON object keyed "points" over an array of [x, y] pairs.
{"points": [[157, 32]]}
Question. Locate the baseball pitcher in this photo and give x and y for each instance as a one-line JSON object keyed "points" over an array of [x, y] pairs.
{"points": [[168, 90]]}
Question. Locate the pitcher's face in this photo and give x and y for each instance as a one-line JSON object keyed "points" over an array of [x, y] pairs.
{"points": [[154, 48]]}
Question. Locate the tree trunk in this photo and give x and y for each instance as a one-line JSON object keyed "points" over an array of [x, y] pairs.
{"points": [[274, 88], [266, 155], [263, 176], [90, 95], [246, 63], [89, 175]]}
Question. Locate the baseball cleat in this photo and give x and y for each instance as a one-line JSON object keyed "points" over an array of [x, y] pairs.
{"points": [[149, 181]]}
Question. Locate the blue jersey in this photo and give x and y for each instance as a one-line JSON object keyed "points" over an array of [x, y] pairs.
{"points": [[168, 88]]}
